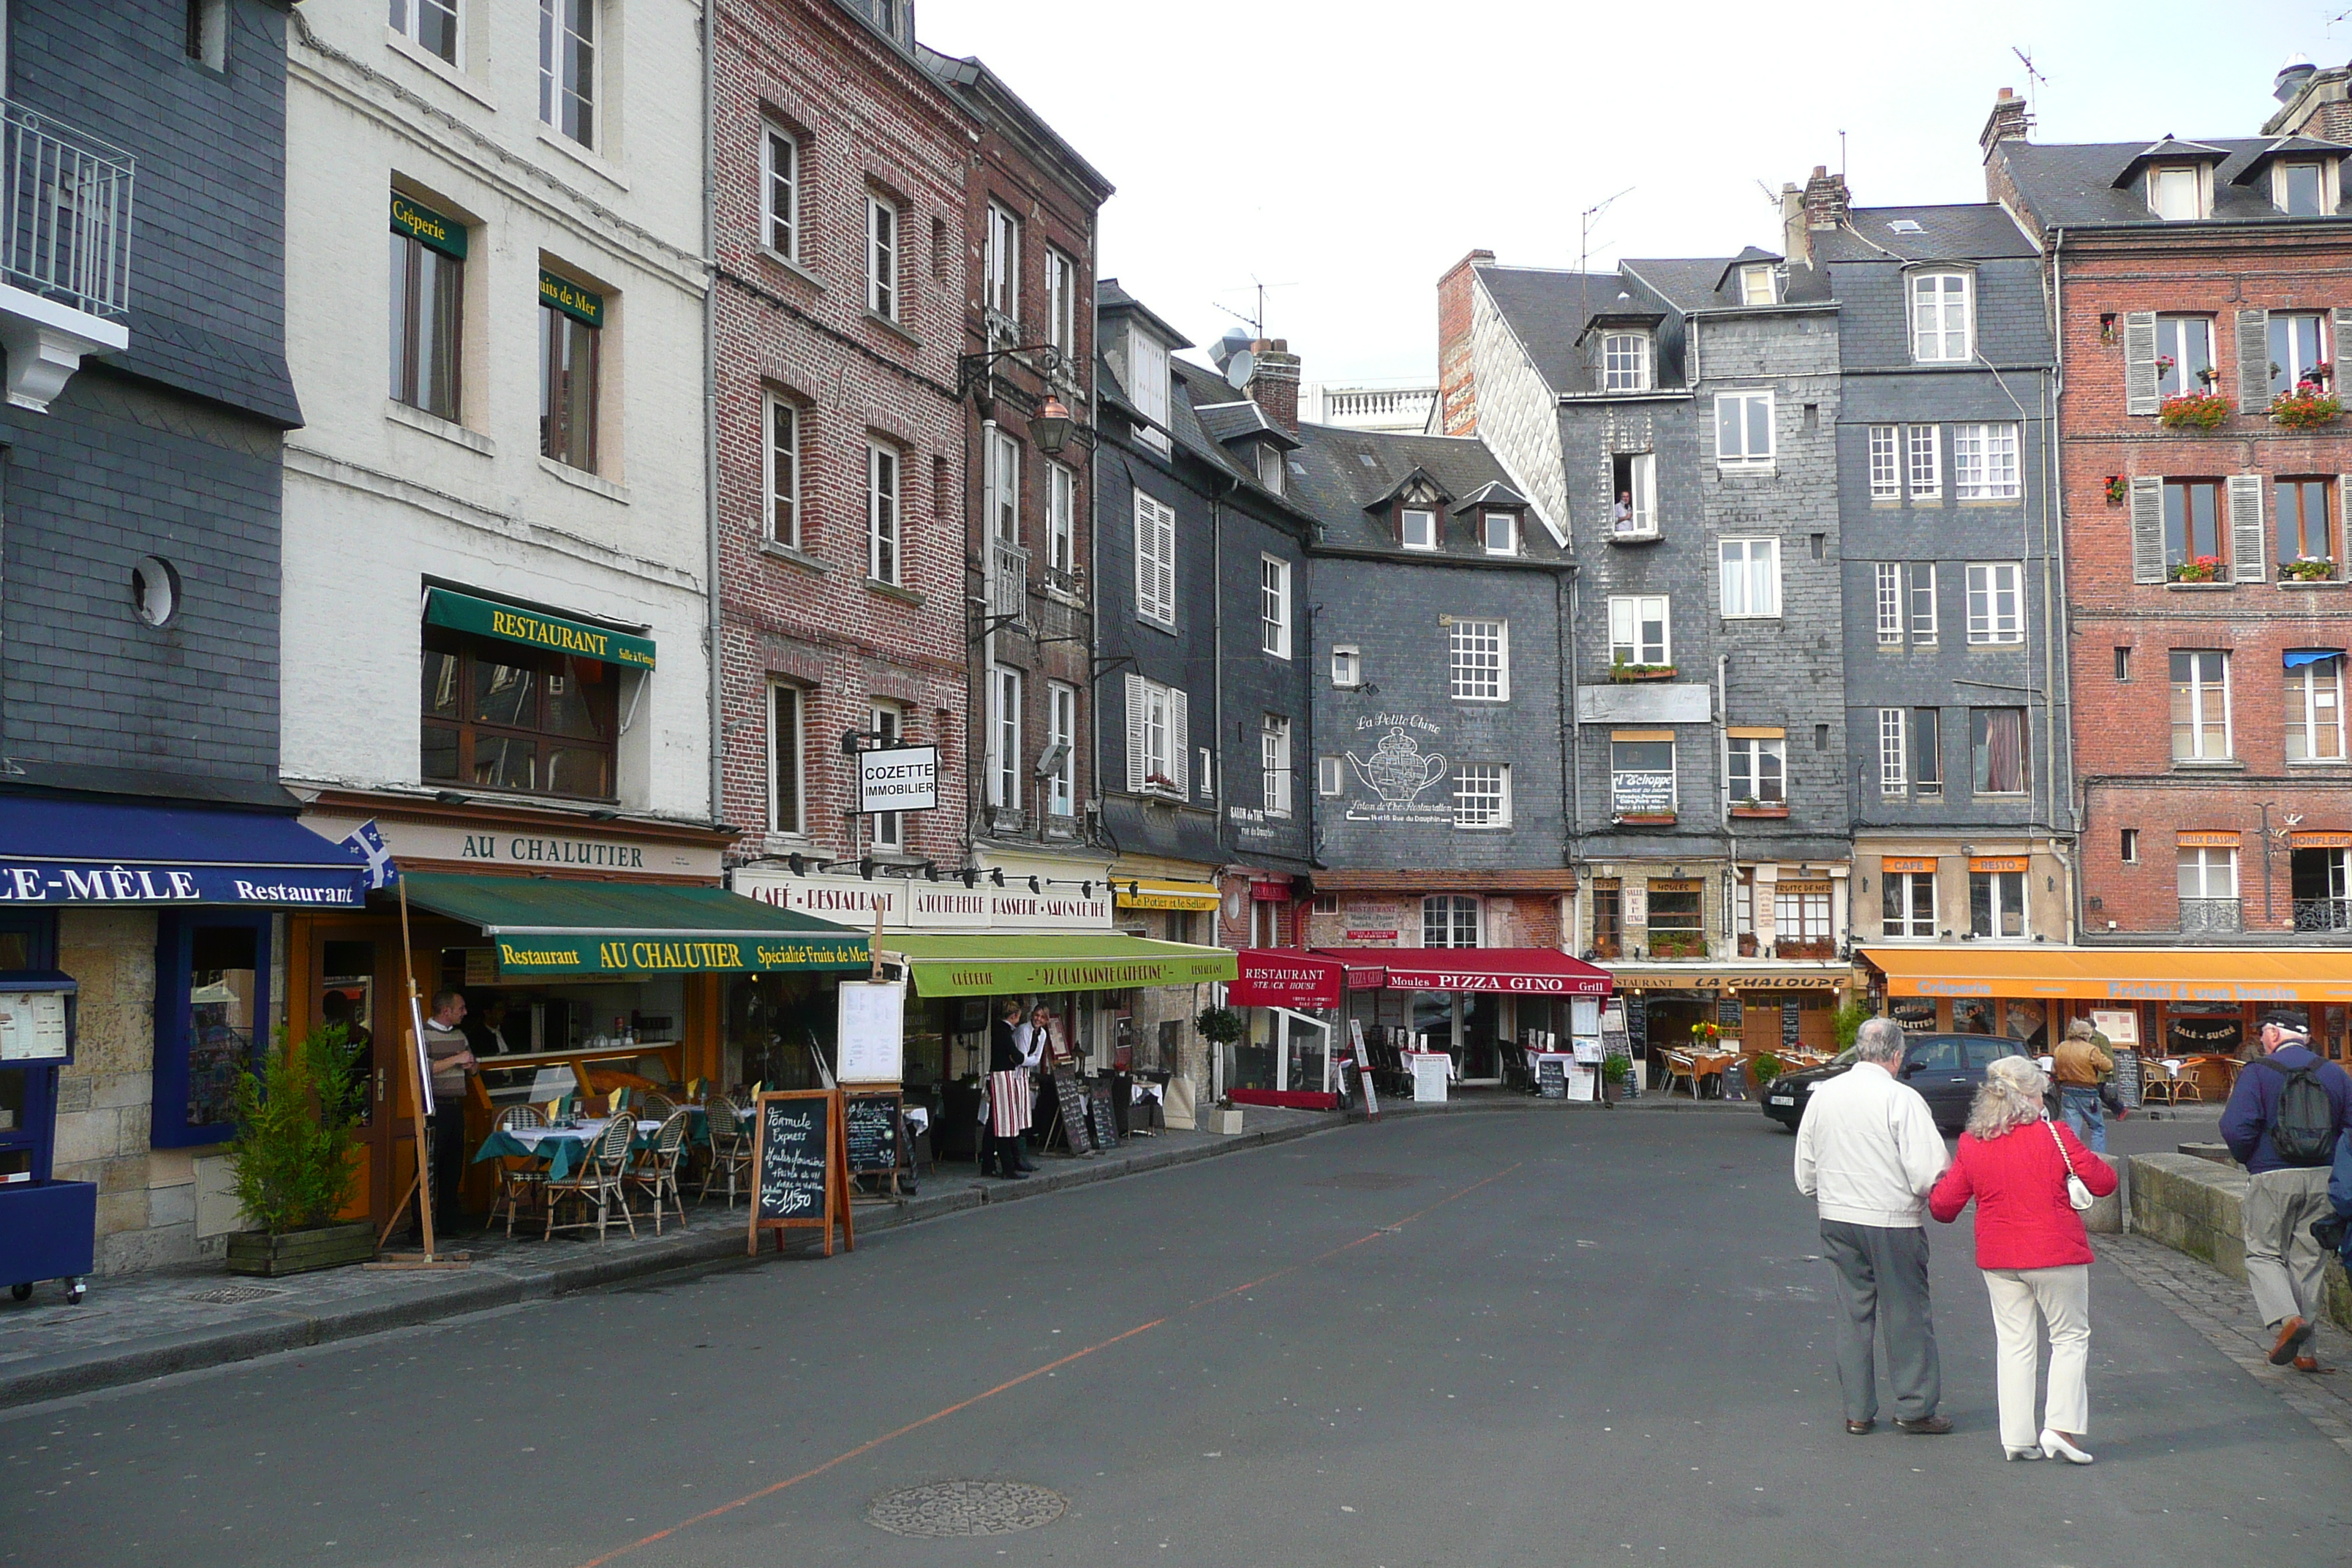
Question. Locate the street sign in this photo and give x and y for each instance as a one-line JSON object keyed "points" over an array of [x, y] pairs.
{"points": [[899, 778]]}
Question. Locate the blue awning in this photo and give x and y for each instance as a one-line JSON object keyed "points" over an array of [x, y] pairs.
{"points": [[84, 852], [2296, 658]]}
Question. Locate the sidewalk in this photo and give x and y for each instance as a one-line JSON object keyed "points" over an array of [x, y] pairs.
{"points": [[136, 1326], [1460, 1099]]}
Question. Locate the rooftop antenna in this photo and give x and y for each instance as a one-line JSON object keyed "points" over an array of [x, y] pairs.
{"points": [[1257, 323], [1840, 157], [2034, 81], [2330, 25], [1586, 222]]}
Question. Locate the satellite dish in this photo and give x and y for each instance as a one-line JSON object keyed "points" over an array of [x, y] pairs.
{"points": [[1240, 368]]}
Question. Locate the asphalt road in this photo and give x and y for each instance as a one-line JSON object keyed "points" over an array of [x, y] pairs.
{"points": [[1555, 1337]]}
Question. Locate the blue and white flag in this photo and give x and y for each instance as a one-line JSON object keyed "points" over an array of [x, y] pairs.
{"points": [[367, 841]]}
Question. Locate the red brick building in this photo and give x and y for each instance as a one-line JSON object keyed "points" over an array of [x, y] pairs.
{"points": [[839, 161], [2200, 290]]}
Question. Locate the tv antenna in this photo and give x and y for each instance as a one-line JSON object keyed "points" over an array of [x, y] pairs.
{"points": [[1257, 323], [2035, 80], [2330, 26]]}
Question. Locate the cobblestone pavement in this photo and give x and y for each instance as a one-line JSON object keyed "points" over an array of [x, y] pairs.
{"points": [[2221, 1309]]}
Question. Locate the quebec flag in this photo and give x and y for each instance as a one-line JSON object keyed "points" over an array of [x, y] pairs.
{"points": [[367, 841]]}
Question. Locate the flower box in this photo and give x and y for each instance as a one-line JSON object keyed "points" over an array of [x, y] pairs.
{"points": [[2306, 406], [300, 1251], [1762, 808], [2307, 569], [2197, 411], [2203, 569], [1642, 672], [1646, 818]]}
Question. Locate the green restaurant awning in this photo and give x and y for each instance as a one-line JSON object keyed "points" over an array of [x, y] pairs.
{"points": [[509, 623], [546, 926], [985, 965]]}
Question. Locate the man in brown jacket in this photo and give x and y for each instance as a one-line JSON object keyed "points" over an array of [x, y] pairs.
{"points": [[2080, 1065]]}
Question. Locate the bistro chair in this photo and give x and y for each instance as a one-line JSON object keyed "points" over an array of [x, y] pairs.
{"points": [[1679, 1065], [2186, 1084], [731, 1148], [655, 1170], [603, 1175], [654, 1106], [521, 1182]]}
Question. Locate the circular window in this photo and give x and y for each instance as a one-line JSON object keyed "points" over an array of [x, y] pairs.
{"points": [[155, 590]]}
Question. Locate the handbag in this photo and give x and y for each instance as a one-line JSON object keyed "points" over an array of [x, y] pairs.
{"points": [[2077, 1193]]}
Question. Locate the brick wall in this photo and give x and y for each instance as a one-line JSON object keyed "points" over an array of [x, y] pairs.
{"points": [[1457, 381]]}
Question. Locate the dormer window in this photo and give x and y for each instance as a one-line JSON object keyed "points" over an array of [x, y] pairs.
{"points": [[1500, 533], [2176, 191], [1943, 328], [1269, 466], [2303, 190], [1760, 284], [1147, 382], [1418, 527], [1625, 361]]}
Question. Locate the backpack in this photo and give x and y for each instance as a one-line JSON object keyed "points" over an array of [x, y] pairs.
{"points": [[2303, 1128]]}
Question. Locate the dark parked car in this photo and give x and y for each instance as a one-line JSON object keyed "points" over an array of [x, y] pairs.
{"points": [[1945, 1068]]}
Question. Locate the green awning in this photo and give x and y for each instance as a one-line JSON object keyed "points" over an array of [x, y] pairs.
{"points": [[487, 618], [541, 925], [983, 966]]}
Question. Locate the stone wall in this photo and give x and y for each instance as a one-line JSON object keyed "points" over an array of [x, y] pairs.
{"points": [[2197, 1205]]}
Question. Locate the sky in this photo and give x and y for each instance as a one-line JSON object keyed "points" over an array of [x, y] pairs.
{"points": [[1346, 154]]}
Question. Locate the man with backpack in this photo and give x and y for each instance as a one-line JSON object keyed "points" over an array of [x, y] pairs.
{"points": [[2283, 1122]]}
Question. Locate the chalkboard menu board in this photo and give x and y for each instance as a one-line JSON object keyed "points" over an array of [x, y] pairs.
{"points": [[1788, 1018], [1637, 1023], [800, 1176], [1103, 1106], [1728, 1013], [1551, 1078], [1070, 1103], [871, 1123]]}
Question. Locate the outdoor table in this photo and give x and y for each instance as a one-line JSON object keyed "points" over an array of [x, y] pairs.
{"points": [[564, 1148]]}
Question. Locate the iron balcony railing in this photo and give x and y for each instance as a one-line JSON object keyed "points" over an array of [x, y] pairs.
{"points": [[2209, 914], [68, 235], [2323, 914]]}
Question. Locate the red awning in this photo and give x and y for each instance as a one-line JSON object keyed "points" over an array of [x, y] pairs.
{"points": [[1286, 977], [1525, 971]]}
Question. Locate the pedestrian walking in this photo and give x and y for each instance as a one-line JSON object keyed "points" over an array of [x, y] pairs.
{"points": [[2080, 1065], [1868, 1155], [2016, 1163], [2284, 1118]]}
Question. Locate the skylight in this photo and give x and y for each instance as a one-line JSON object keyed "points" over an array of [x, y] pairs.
{"points": [[1366, 458], [1905, 226]]}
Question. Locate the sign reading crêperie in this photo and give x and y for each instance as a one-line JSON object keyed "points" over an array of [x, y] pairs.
{"points": [[899, 778]]}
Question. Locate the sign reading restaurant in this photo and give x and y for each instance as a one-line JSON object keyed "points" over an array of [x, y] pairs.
{"points": [[929, 906], [71, 882]]}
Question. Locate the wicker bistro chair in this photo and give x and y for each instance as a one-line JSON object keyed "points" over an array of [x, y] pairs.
{"points": [[655, 1170], [654, 1106], [731, 1148], [521, 1183], [603, 1176]]}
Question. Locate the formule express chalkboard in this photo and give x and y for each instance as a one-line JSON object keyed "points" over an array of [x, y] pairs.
{"points": [[1070, 1105], [1102, 1102], [871, 1119], [800, 1169], [1551, 1078]]}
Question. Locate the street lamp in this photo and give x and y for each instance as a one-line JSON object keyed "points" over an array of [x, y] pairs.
{"points": [[1049, 428]]}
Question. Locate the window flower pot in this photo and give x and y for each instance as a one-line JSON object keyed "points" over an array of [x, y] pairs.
{"points": [[2306, 407], [2204, 569], [300, 1251], [1760, 808], [1646, 818], [2307, 569], [2195, 411], [1642, 672]]}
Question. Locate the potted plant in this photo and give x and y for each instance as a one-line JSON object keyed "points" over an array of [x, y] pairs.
{"points": [[1615, 1068], [1847, 1020], [1751, 806], [1763, 1067], [292, 1160], [2206, 376], [1220, 1026], [2307, 569], [2203, 569], [1706, 1035], [2196, 410], [2306, 407], [2117, 490], [1620, 670]]}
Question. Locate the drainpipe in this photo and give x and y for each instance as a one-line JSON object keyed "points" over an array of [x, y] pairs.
{"points": [[715, 628], [2055, 527], [1723, 792], [1217, 649], [1564, 597]]}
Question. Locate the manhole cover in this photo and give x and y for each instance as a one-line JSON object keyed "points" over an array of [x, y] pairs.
{"points": [[228, 1294], [966, 1507], [1366, 1180]]}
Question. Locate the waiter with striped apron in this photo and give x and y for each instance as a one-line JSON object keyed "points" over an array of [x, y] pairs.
{"points": [[1008, 1097]]}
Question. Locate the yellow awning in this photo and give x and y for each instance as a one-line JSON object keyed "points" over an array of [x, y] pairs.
{"points": [[1143, 893], [2120, 974]]}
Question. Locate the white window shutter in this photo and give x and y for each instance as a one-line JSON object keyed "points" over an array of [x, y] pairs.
{"points": [[2140, 394], [2148, 530], [1135, 757], [2340, 323], [1167, 539], [1180, 741], [2248, 552], [2253, 361]]}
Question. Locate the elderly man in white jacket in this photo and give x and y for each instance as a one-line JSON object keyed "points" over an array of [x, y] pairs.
{"points": [[1868, 1152]]}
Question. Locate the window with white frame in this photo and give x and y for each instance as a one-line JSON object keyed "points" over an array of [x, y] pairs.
{"points": [[2314, 706], [888, 724], [1638, 633], [1146, 363], [1641, 775], [1005, 739], [1061, 302], [2176, 192], [1996, 903], [567, 68], [1208, 761], [1449, 920], [1907, 904], [1889, 601], [1347, 666], [1923, 461], [1885, 462], [1274, 763], [1743, 430], [1941, 329], [786, 812], [1923, 601], [1500, 531], [1155, 560], [1634, 479], [2298, 347], [430, 24], [780, 181], [1417, 527], [2303, 190], [1269, 466], [1480, 653], [2202, 729], [1001, 268], [1157, 739], [1001, 482], [1330, 775], [1984, 462], [881, 257], [1996, 602], [1274, 606], [2208, 873], [1927, 753], [1894, 754], [881, 513], [1760, 284], [1062, 745], [1752, 578], [1800, 911], [1625, 361], [1482, 794], [1757, 769], [784, 471], [1061, 518], [2184, 354]]}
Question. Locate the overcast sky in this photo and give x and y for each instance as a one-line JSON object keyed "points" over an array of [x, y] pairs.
{"points": [[1348, 153]]}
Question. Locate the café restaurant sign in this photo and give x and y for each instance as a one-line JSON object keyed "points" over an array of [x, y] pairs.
{"points": [[528, 849], [919, 905], [553, 634], [544, 954]]}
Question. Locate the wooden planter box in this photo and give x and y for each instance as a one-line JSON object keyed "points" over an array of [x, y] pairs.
{"points": [[299, 1251], [1647, 819], [1759, 811], [1621, 673]]}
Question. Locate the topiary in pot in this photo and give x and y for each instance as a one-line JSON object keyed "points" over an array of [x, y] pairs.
{"points": [[1848, 1020], [290, 1161], [1764, 1067], [1220, 1026]]}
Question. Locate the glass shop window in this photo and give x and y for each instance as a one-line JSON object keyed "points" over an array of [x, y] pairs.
{"points": [[212, 1018]]}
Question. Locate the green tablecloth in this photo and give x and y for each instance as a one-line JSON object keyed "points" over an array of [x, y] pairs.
{"points": [[565, 1148]]}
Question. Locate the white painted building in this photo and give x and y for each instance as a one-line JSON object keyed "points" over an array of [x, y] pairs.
{"points": [[438, 489]]}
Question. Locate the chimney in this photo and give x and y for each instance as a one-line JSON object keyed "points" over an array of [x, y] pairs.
{"points": [[1826, 199], [2007, 122], [1457, 378], [1796, 241], [1273, 384]]}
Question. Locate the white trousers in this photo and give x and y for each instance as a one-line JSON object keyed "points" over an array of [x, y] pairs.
{"points": [[2025, 1303]]}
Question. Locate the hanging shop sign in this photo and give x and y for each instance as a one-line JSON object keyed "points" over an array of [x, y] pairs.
{"points": [[421, 223], [1137, 894], [583, 305], [533, 628], [899, 778]]}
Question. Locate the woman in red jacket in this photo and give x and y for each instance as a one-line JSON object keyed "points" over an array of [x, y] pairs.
{"points": [[2033, 1249]]}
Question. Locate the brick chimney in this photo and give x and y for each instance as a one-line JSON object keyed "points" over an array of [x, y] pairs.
{"points": [[1826, 199], [2007, 122], [1457, 381], [1274, 384]]}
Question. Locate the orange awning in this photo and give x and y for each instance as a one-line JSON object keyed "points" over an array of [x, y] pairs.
{"points": [[2120, 974]]}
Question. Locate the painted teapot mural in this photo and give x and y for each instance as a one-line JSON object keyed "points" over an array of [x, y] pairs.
{"points": [[1397, 770]]}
